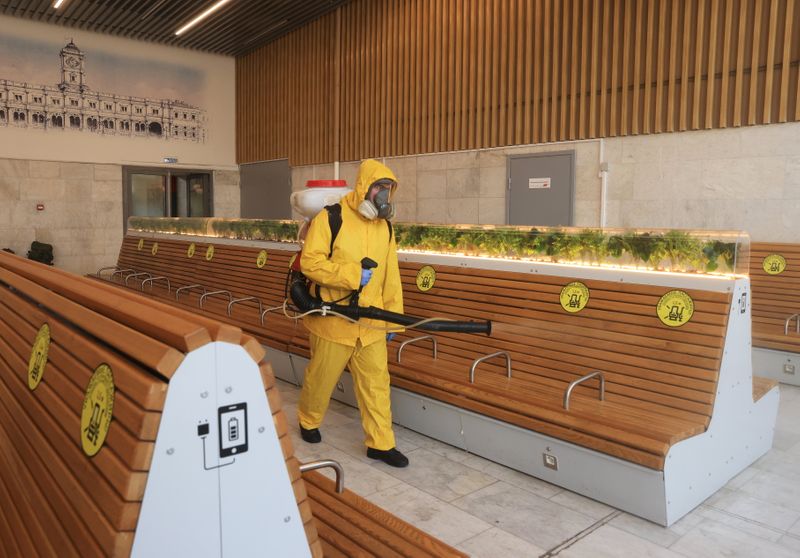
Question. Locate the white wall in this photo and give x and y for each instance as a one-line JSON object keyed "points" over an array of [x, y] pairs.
{"points": [[737, 178], [218, 100]]}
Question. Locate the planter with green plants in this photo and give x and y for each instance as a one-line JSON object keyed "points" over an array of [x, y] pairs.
{"points": [[718, 252]]}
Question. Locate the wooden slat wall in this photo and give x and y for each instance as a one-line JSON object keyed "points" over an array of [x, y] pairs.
{"points": [[421, 76]]}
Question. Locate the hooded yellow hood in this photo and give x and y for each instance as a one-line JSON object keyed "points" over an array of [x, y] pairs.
{"points": [[369, 172]]}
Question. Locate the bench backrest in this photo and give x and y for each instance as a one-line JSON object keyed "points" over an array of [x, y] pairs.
{"points": [[776, 296], [66, 502]]}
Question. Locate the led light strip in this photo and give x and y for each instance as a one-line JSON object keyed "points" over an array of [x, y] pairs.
{"points": [[202, 16], [58, 3]]}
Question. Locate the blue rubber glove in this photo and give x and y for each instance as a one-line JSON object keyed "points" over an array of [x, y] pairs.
{"points": [[366, 275], [389, 337]]}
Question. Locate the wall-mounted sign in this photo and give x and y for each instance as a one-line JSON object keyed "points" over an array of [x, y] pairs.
{"points": [[539, 183], [574, 297], [774, 264], [38, 360], [675, 308], [426, 278], [98, 409]]}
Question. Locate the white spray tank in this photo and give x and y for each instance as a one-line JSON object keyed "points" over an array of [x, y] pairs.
{"points": [[314, 198]]}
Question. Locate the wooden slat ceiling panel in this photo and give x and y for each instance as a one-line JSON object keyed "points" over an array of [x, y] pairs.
{"points": [[237, 28]]}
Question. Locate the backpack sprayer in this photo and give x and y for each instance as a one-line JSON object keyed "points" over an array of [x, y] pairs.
{"points": [[306, 303], [297, 285]]}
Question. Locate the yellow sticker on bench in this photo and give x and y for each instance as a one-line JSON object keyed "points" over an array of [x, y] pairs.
{"points": [[154, 249], [574, 296], [141, 244], [774, 264], [98, 408], [426, 278], [210, 253], [675, 308], [190, 250], [38, 361], [261, 261]]}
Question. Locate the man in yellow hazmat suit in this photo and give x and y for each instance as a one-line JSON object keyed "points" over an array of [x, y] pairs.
{"points": [[336, 272]]}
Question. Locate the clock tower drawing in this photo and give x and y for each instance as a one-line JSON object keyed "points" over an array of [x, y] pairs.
{"points": [[72, 69]]}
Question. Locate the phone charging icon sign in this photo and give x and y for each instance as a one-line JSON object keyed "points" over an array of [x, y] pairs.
{"points": [[232, 429]]}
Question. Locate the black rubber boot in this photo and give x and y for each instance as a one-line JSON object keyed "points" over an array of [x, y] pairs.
{"points": [[311, 436], [391, 457]]}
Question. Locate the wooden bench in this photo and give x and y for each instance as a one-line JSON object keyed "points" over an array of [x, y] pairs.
{"points": [[776, 304], [661, 383], [68, 504]]}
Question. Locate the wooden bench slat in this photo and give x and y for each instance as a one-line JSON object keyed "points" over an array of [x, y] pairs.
{"points": [[21, 539]]}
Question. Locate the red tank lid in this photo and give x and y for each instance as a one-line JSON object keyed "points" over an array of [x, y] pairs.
{"points": [[326, 184]]}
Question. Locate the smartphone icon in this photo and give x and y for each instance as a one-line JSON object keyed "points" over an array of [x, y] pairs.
{"points": [[232, 429]]}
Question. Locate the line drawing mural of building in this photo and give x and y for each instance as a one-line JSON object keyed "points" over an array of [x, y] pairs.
{"points": [[72, 105]]}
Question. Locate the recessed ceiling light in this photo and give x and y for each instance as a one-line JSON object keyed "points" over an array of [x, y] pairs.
{"points": [[202, 16]]}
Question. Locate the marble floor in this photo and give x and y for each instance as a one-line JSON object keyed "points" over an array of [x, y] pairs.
{"points": [[488, 510]]}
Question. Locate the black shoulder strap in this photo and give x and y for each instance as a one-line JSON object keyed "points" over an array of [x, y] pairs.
{"points": [[334, 222]]}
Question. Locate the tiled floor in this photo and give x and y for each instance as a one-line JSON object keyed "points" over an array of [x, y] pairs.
{"points": [[488, 510]]}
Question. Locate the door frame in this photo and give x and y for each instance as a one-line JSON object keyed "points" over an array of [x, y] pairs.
{"points": [[166, 172], [573, 158]]}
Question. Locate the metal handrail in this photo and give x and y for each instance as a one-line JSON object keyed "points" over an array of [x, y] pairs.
{"points": [[137, 275], [235, 300], [314, 465], [789, 321], [189, 288], [107, 268], [268, 310], [487, 357], [414, 340], [120, 271], [583, 379], [159, 278], [212, 293]]}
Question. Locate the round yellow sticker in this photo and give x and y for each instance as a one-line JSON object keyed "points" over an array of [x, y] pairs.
{"points": [[261, 260], [98, 408], [675, 308], [426, 278], [774, 264], [154, 249], [38, 360], [574, 296], [141, 244], [210, 253], [190, 250]]}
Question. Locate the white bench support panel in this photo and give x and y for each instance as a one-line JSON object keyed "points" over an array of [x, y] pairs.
{"points": [[778, 365], [210, 498]]}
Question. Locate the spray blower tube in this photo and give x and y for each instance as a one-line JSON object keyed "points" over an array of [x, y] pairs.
{"points": [[305, 302]]}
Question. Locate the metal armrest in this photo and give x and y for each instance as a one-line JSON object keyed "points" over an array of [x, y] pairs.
{"points": [[235, 300], [788, 322], [212, 293], [150, 280], [580, 381], [414, 340], [141, 273], [189, 288], [107, 268], [267, 310], [487, 357], [120, 271], [314, 465]]}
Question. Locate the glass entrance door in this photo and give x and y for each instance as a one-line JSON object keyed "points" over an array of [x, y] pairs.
{"points": [[167, 193], [147, 194]]}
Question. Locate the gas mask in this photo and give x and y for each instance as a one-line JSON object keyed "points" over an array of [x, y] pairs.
{"points": [[376, 204]]}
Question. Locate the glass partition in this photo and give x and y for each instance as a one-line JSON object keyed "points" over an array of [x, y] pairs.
{"points": [[683, 251]]}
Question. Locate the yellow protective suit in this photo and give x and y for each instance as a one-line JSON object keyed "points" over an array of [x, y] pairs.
{"points": [[335, 342]]}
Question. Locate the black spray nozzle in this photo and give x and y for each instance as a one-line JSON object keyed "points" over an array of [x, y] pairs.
{"points": [[368, 263]]}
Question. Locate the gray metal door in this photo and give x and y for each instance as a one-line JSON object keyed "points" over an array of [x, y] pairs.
{"points": [[541, 189], [265, 190]]}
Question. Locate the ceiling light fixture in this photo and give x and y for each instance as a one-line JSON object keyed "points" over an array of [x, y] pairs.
{"points": [[58, 3], [202, 16]]}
